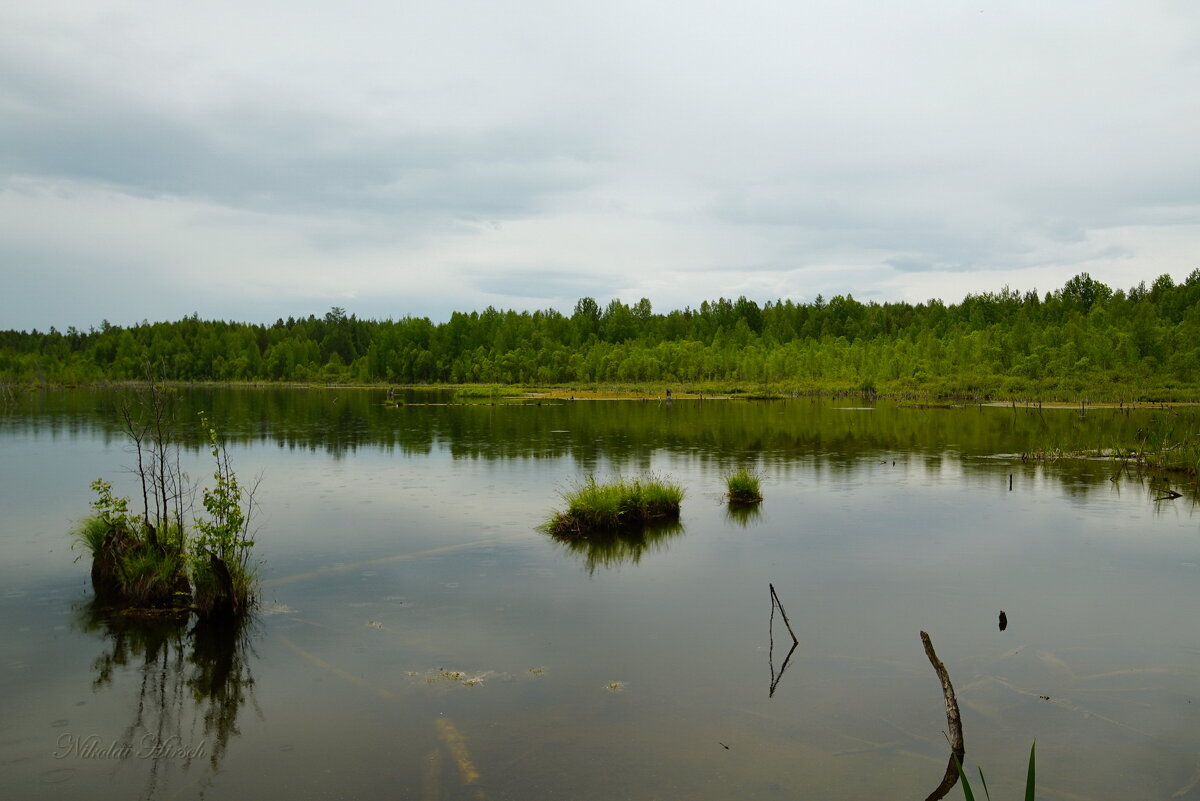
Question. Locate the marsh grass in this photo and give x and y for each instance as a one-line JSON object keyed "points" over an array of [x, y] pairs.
{"points": [[152, 577], [616, 505], [743, 487], [1169, 442], [1030, 775], [481, 392], [128, 567], [91, 533]]}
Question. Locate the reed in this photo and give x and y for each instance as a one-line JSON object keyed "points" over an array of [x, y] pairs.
{"points": [[969, 795]]}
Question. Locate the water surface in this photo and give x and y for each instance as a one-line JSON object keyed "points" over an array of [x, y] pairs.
{"points": [[419, 638]]}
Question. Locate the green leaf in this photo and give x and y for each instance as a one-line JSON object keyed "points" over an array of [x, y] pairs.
{"points": [[985, 787], [1029, 778], [970, 796]]}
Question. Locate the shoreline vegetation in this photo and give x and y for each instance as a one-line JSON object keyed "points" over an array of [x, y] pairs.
{"points": [[1085, 341], [1168, 443], [464, 394]]}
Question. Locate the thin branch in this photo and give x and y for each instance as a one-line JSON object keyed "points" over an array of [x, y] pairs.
{"points": [[788, 623]]}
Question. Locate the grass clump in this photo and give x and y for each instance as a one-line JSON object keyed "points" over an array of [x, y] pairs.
{"points": [[616, 505], [743, 487], [129, 565]]}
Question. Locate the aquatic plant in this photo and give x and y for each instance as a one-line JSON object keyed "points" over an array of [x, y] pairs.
{"points": [[127, 564], [222, 576], [94, 529], [138, 565], [619, 504], [479, 391], [743, 487], [1029, 778], [1171, 441]]}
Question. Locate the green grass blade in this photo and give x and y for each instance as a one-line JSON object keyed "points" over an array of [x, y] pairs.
{"points": [[985, 787], [967, 794], [1029, 778]]}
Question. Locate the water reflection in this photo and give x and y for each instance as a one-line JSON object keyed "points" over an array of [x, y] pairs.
{"points": [[610, 549], [743, 514], [341, 420], [193, 681], [776, 676], [785, 435]]}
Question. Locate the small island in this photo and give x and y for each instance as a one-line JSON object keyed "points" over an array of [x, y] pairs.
{"points": [[155, 563], [621, 504]]}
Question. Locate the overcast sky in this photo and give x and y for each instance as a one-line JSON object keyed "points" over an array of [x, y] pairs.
{"points": [[255, 159]]}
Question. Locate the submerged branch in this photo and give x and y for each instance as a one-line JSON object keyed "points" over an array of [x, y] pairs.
{"points": [[953, 721]]}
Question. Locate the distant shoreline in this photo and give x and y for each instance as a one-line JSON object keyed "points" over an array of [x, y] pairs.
{"points": [[1108, 398]]}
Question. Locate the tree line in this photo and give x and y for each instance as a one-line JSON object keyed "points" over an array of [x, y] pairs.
{"points": [[1140, 343]]}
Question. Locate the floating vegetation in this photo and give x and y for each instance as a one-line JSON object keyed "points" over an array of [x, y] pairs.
{"points": [[617, 505], [461, 677], [615, 686], [743, 487]]}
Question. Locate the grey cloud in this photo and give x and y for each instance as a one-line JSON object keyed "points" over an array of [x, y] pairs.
{"points": [[269, 156], [550, 285]]}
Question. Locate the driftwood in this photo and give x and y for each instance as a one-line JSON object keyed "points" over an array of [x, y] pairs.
{"points": [[953, 721]]}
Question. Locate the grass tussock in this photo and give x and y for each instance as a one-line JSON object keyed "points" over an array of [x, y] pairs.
{"points": [[91, 533], [743, 487], [128, 567], [619, 504]]}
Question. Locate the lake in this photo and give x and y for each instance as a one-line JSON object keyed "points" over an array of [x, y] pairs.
{"points": [[420, 638]]}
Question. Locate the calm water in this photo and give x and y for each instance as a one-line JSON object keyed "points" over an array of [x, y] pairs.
{"points": [[419, 639]]}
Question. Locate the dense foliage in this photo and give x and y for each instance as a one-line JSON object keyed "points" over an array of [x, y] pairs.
{"points": [[1083, 338]]}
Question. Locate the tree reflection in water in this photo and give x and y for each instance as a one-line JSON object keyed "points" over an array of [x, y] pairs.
{"points": [[193, 679]]}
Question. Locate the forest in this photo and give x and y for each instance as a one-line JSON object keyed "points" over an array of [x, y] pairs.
{"points": [[1085, 340]]}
